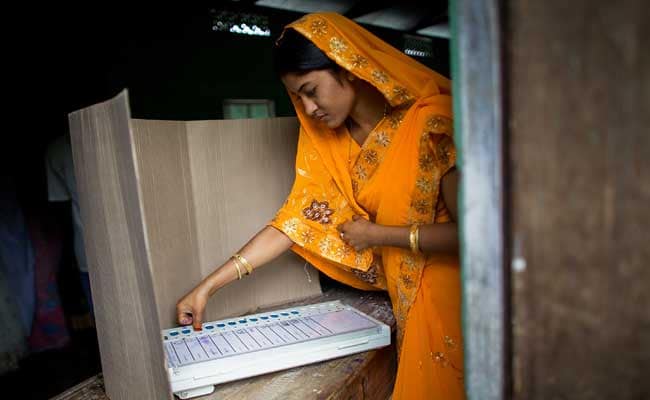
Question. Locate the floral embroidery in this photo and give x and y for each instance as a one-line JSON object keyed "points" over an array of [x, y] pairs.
{"points": [[307, 237], [422, 206], [439, 124], [443, 150], [449, 343], [440, 358], [319, 212], [396, 119], [379, 76], [407, 281], [318, 27], [290, 226], [382, 139], [360, 172], [372, 153], [338, 46], [401, 93], [424, 196], [424, 185], [426, 162], [325, 246], [370, 156], [409, 261], [343, 252], [369, 276], [358, 61]]}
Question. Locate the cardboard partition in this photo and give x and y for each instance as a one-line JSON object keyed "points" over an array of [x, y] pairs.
{"points": [[163, 203]]}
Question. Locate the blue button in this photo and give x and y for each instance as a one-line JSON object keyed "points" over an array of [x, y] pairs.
{"points": [[285, 313], [274, 315], [253, 319], [232, 323], [173, 333], [242, 321], [186, 331], [264, 317], [221, 325], [295, 312], [209, 327]]}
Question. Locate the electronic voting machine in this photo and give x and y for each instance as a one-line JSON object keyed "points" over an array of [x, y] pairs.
{"points": [[256, 344]]}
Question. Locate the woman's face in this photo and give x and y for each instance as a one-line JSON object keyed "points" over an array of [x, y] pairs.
{"points": [[326, 96]]}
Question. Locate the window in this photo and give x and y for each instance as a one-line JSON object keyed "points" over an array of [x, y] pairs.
{"points": [[242, 23], [418, 46], [248, 108]]}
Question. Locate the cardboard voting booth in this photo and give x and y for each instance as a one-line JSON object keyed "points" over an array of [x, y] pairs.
{"points": [[163, 203]]}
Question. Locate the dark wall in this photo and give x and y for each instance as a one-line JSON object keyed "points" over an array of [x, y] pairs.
{"points": [[173, 64], [187, 72]]}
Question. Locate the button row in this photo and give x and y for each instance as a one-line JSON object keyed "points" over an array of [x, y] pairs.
{"points": [[232, 323]]}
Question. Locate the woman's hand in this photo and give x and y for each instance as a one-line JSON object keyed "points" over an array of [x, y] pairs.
{"points": [[358, 233], [266, 245], [189, 309]]}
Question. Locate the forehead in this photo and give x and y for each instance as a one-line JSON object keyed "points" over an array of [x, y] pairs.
{"points": [[294, 81]]}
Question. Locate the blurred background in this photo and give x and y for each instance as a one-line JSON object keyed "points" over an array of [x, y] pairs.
{"points": [[186, 62]]}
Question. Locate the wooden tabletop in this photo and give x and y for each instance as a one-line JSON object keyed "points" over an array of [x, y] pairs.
{"points": [[368, 375]]}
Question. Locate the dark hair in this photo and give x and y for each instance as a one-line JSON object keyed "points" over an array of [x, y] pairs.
{"points": [[295, 53]]}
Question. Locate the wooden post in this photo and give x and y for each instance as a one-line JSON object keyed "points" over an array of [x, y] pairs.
{"points": [[478, 109], [579, 146]]}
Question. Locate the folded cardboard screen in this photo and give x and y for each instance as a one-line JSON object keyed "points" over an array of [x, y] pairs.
{"points": [[163, 203]]}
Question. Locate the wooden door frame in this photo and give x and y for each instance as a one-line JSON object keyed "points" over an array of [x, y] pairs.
{"points": [[477, 73]]}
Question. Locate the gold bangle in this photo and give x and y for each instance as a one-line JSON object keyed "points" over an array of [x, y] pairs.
{"points": [[245, 263], [414, 238], [234, 261]]}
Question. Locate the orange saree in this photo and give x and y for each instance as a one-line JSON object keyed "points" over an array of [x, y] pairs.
{"points": [[392, 179]]}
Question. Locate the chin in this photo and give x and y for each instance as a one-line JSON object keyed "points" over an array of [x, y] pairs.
{"points": [[333, 124]]}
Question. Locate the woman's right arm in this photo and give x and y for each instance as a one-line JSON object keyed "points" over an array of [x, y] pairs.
{"points": [[265, 246]]}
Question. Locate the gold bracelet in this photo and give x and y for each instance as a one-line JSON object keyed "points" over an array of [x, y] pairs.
{"points": [[234, 261], [414, 238], [245, 263]]}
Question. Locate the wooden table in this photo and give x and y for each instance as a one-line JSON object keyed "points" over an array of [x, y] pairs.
{"points": [[369, 375]]}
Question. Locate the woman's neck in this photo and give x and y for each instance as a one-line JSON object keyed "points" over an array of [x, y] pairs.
{"points": [[367, 111]]}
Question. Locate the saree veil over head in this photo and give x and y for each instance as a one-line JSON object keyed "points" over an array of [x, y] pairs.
{"points": [[392, 179]]}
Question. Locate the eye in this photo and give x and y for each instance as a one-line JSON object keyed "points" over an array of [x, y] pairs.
{"points": [[312, 92]]}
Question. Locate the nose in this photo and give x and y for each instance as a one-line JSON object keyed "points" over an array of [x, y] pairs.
{"points": [[310, 106]]}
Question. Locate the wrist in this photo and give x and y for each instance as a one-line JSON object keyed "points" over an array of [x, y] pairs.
{"points": [[393, 236], [210, 285], [376, 235]]}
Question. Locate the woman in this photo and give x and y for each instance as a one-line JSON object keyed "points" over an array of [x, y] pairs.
{"points": [[373, 201]]}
